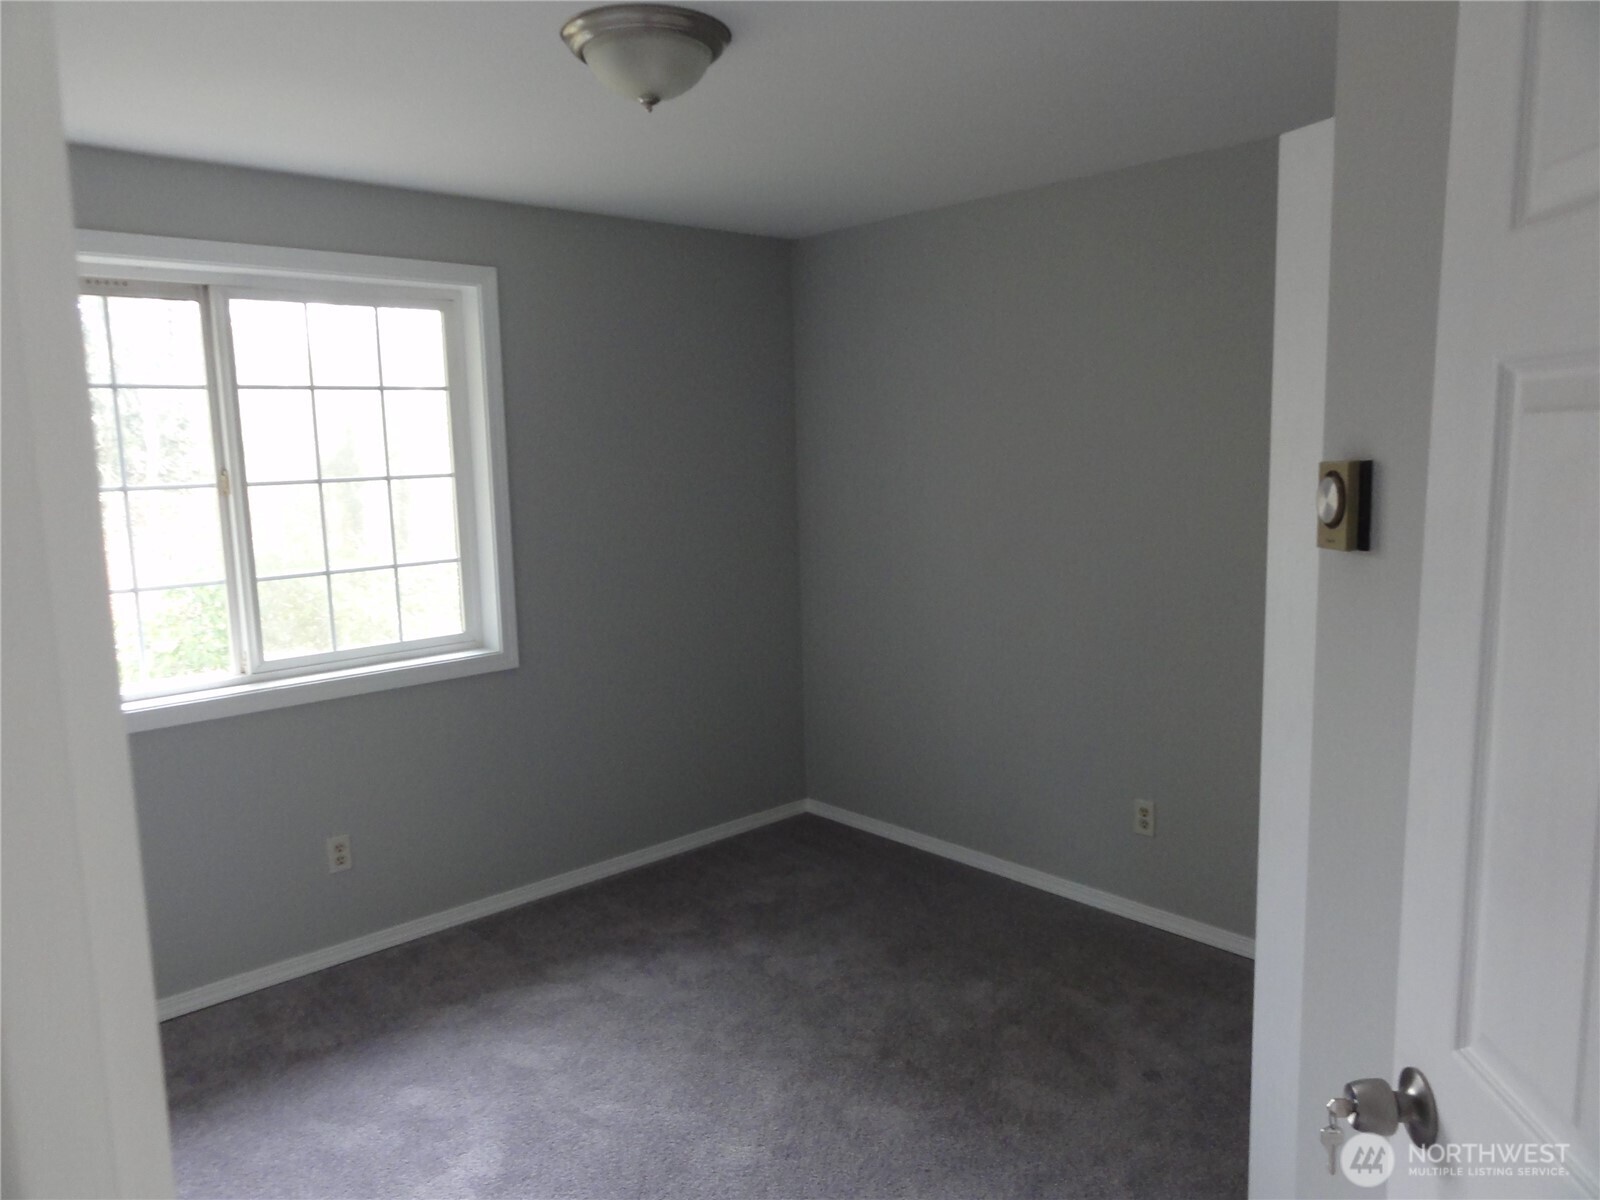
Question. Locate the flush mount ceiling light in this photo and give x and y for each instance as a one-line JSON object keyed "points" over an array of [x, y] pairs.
{"points": [[647, 52]]}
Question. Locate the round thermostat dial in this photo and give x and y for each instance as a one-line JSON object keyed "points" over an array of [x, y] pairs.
{"points": [[1330, 500]]}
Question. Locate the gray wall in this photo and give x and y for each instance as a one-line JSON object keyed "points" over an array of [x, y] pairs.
{"points": [[1009, 631], [650, 433], [1033, 438]]}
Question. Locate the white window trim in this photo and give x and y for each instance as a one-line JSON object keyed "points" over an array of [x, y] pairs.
{"points": [[474, 289]]}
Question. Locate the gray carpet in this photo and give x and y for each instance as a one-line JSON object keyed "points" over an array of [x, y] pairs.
{"points": [[803, 1011]]}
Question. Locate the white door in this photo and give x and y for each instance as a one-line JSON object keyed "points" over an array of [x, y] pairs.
{"points": [[1497, 998]]}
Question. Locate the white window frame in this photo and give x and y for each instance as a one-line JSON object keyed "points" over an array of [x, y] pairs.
{"points": [[469, 294]]}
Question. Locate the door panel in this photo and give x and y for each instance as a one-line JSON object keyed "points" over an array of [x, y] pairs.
{"points": [[1529, 942], [1558, 161], [1497, 997]]}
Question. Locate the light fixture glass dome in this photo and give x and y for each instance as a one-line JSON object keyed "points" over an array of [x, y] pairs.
{"points": [[647, 52], [647, 65]]}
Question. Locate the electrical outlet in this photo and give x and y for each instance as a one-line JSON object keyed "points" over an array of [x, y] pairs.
{"points": [[1144, 817], [339, 852]]}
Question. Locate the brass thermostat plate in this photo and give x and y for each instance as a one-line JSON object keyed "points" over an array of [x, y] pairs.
{"points": [[1344, 504]]}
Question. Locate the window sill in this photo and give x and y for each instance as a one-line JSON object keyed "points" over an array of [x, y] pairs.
{"points": [[235, 699]]}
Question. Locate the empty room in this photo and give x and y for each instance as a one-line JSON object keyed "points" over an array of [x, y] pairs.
{"points": [[790, 599]]}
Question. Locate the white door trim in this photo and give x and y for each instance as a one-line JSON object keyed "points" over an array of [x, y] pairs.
{"points": [[1299, 394], [84, 1104]]}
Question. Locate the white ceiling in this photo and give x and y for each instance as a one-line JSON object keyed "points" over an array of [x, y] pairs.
{"points": [[819, 115]]}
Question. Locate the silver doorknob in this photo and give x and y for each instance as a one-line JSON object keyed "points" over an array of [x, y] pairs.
{"points": [[1378, 1108]]}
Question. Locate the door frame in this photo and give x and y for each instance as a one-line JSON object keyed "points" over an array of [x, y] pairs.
{"points": [[1299, 379], [84, 1101], [1394, 85]]}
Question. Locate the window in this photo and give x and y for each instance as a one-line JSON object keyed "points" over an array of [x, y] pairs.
{"points": [[302, 480]]}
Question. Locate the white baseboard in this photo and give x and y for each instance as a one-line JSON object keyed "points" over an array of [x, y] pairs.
{"points": [[304, 964], [1199, 931]]}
